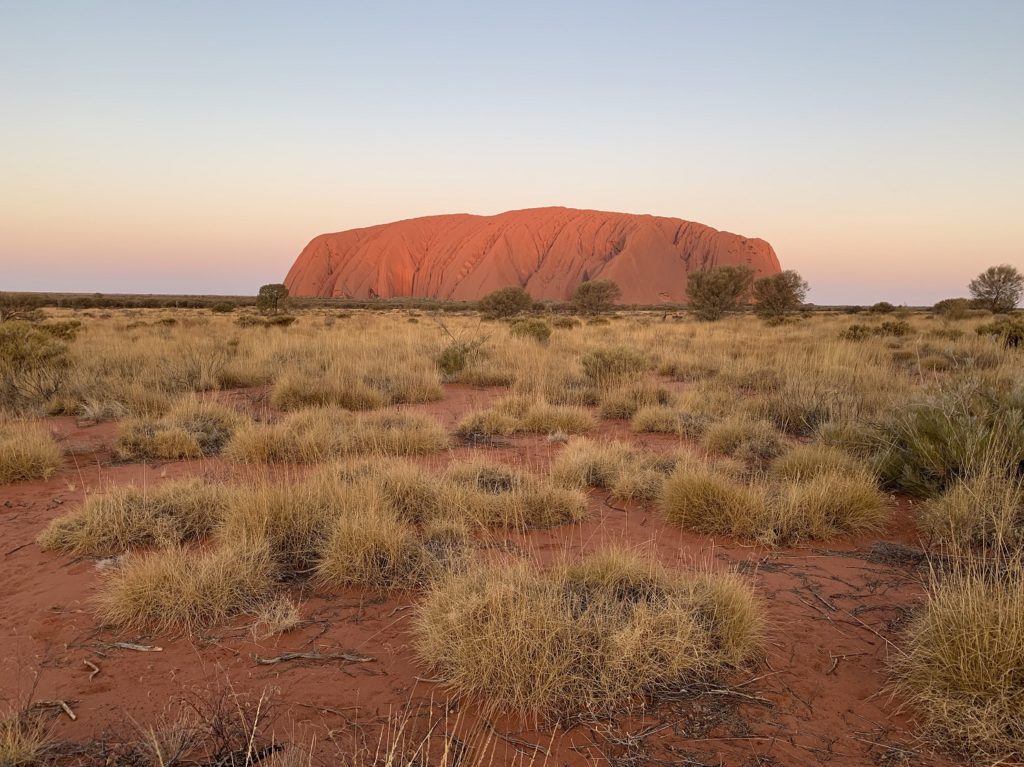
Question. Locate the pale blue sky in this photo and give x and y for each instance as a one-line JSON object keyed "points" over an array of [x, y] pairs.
{"points": [[196, 147]]}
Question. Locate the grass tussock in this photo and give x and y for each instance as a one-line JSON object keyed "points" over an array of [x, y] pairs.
{"points": [[178, 589], [27, 451], [121, 519], [752, 441], [709, 500], [23, 739], [322, 434], [191, 429], [628, 472], [526, 415], [812, 460], [983, 511], [623, 401], [591, 636], [959, 662], [663, 419]]}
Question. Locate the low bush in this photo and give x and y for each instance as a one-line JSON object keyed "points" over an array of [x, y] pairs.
{"points": [[605, 366], [538, 330], [754, 442], [624, 401], [34, 364], [1010, 332], [191, 429], [670, 420]]}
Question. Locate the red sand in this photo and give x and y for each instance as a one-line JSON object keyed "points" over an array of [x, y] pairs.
{"points": [[818, 695], [547, 251]]}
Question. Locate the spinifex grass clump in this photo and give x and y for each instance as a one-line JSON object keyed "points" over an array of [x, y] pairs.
{"points": [[592, 636], [959, 664], [27, 451], [710, 499], [124, 518], [986, 510], [192, 429], [524, 414], [178, 589], [321, 434], [927, 448], [617, 466]]}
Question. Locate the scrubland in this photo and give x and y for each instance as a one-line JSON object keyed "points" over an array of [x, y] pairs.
{"points": [[540, 503]]}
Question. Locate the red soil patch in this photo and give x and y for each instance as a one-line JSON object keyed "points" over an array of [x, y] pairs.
{"points": [[817, 696]]}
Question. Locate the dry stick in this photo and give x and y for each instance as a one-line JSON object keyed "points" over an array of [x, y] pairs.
{"points": [[136, 647], [61, 704], [343, 656], [94, 667], [518, 741]]}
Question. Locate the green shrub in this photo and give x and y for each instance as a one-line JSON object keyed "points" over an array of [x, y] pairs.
{"points": [[536, 329], [714, 292], [505, 302], [595, 297]]}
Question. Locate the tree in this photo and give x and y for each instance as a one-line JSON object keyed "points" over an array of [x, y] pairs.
{"points": [[270, 297], [596, 297], [712, 293], [998, 288], [505, 302], [779, 295]]}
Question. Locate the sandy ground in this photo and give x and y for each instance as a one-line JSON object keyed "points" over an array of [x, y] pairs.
{"points": [[818, 695]]}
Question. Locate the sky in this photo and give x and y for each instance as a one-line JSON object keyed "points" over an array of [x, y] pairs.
{"points": [[196, 147]]}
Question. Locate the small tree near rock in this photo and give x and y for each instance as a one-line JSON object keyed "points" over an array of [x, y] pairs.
{"points": [[998, 288], [596, 297], [270, 297], [714, 292], [505, 302], [779, 295]]}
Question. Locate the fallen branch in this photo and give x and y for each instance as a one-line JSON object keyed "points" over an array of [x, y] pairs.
{"points": [[347, 657], [94, 667], [61, 704], [136, 647]]}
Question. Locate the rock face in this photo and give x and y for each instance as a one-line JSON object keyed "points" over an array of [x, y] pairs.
{"points": [[547, 251]]}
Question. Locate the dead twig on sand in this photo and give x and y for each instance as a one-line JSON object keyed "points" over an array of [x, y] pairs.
{"points": [[519, 742], [347, 657], [94, 667]]}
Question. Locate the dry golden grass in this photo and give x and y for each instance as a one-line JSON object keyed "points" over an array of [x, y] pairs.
{"points": [[191, 429], [27, 451], [960, 659], [749, 440], [811, 460], [624, 400], [290, 520], [983, 511], [628, 472], [23, 739], [582, 637], [709, 500], [323, 434], [494, 495], [665, 419], [177, 589], [526, 414], [123, 518]]}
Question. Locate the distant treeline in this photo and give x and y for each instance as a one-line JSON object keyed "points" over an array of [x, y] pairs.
{"points": [[23, 301]]}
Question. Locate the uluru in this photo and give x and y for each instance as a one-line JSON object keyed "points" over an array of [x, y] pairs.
{"points": [[546, 251]]}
